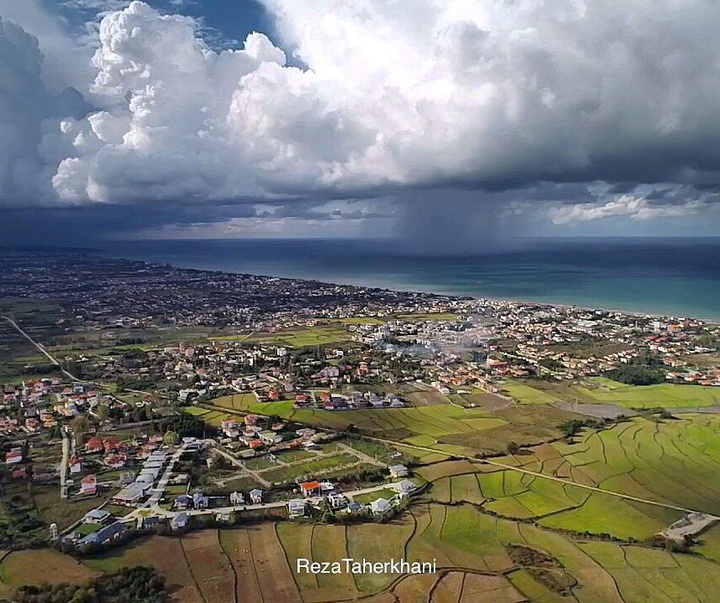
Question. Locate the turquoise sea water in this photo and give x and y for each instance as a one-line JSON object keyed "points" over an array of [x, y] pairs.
{"points": [[674, 276]]}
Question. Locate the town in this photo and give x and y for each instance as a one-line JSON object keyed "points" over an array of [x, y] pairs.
{"points": [[129, 411]]}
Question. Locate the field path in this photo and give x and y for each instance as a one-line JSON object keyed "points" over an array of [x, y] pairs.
{"points": [[543, 476]]}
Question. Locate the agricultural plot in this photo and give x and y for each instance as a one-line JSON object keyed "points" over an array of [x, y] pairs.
{"points": [[164, 554], [527, 394], [669, 462], [37, 566], [315, 467], [472, 550], [209, 565], [652, 575], [666, 395], [445, 427], [598, 390], [305, 337], [241, 402]]}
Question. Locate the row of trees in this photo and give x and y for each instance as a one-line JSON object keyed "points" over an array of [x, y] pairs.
{"points": [[129, 585]]}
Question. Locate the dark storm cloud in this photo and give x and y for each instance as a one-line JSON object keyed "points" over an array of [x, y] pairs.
{"points": [[454, 113]]}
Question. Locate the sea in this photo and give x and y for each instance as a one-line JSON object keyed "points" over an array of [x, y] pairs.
{"points": [[669, 276]]}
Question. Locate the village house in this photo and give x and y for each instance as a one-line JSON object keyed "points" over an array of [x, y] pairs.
{"points": [[179, 521], [76, 465], [200, 501], [131, 494], [115, 461], [99, 516], [14, 456], [94, 445], [256, 496], [404, 488], [397, 471], [308, 489], [337, 501], [182, 502], [88, 485], [104, 535], [381, 507], [296, 507], [21, 473]]}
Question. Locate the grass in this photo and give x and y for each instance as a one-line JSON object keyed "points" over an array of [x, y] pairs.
{"points": [[52, 509], [87, 528], [526, 394], [312, 468], [291, 456], [304, 337], [371, 496], [35, 566], [457, 536], [296, 539]]}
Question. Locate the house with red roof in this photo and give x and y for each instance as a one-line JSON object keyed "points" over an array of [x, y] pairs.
{"points": [[14, 456], [94, 445], [88, 485], [76, 465], [19, 473], [310, 488], [115, 461]]}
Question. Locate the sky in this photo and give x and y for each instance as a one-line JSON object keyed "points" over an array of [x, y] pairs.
{"points": [[457, 124]]}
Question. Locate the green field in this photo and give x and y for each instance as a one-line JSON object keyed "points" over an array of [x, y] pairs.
{"points": [[672, 462], [599, 390], [420, 426], [310, 469], [304, 337]]}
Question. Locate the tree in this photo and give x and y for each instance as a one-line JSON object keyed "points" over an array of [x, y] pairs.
{"points": [[102, 412], [79, 425], [512, 448], [170, 438]]}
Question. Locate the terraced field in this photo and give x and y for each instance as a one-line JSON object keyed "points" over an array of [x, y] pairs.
{"points": [[671, 462]]}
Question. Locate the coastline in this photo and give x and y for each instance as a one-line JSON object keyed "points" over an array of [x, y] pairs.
{"points": [[438, 289]]}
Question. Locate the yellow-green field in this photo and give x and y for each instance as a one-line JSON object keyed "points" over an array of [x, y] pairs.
{"points": [[672, 462], [599, 390], [445, 427]]}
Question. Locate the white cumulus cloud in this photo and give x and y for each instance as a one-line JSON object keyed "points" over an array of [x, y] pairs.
{"points": [[467, 93], [637, 208]]}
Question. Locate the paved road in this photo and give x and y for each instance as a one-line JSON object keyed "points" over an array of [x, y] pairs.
{"points": [[40, 348], [64, 463], [157, 491], [55, 361]]}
